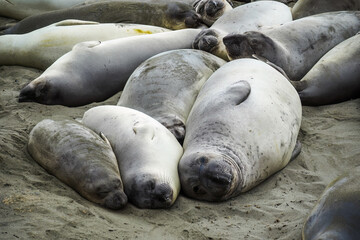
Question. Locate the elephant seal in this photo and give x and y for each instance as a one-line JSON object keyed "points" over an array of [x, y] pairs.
{"points": [[94, 71], [211, 10], [336, 215], [242, 128], [80, 158], [166, 85], [20, 9], [304, 8], [147, 153], [296, 46], [335, 77], [171, 15], [42, 47], [248, 17]]}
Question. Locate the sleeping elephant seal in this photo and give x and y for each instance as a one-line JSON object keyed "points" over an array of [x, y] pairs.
{"points": [[171, 15], [147, 153], [165, 86], [248, 17], [211, 10], [242, 128], [336, 215], [335, 77], [304, 8], [42, 47], [80, 158], [20, 9], [94, 71], [296, 46]]}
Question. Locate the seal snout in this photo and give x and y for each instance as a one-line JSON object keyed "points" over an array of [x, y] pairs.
{"points": [[213, 8], [209, 177], [206, 40], [116, 200], [237, 46], [27, 94]]}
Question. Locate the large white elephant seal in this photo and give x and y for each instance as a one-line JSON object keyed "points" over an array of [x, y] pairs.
{"points": [[336, 215], [42, 47], [296, 46], [147, 153], [335, 77], [171, 15], [242, 128], [304, 8], [165, 86], [248, 17], [80, 158], [94, 71], [211, 10]]}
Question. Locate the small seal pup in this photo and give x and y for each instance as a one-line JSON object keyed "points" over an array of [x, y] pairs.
{"points": [[211, 10], [166, 85], [248, 17], [171, 15], [42, 47], [80, 158], [336, 215], [94, 71], [304, 8], [242, 128], [147, 153], [296, 46], [335, 77]]}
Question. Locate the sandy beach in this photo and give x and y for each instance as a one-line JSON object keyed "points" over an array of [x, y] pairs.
{"points": [[36, 205]]}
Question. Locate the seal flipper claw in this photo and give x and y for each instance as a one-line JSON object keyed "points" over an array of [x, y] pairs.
{"points": [[102, 135], [296, 150]]}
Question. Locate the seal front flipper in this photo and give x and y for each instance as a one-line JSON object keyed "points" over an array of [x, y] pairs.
{"points": [[296, 150], [144, 130], [73, 22], [279, 69], [88, 44], [236, 93]]}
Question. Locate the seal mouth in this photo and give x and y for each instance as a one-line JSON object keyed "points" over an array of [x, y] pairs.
{"points": [[214, 9], [206, 40]]}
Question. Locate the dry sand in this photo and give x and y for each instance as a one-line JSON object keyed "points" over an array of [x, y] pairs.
{"points": [[36, 205]]}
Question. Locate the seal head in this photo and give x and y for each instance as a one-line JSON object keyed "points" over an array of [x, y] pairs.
{"points": [[149, 191], [180, 16], [209, 176], [41, 91], [211, 10]]}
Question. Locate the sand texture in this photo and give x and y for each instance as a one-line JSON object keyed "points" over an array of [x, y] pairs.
{"points": [[36, 205]]}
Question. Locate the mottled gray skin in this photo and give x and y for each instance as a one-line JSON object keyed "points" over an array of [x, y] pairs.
{"points": [[147, 153], [211, 10], [165, 86], [94, 71], [336, 215], [296, 46], [242, 128], [335, 77], [248, 17], [304, 8], [173, 15], [79, 158]]}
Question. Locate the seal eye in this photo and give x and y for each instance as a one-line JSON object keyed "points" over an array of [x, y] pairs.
{"points": [[151, 185]]}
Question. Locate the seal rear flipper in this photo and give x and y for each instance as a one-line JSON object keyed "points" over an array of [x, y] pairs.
{"points": [[296, 150], [237, 92], [73, 22]]}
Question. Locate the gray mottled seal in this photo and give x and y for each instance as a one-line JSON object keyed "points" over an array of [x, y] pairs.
{"points": [[336, 215], [80, 158], [19, 9], [248, 17], [304, 8], [171, 15], [335, 77], [166, 85], [147, 153], [211, 10], [296, 46], [94, 71], [42, 47], [242, 128]]}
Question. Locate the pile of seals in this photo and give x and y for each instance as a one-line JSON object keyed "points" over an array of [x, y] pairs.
{"points": [[211, 94]]}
